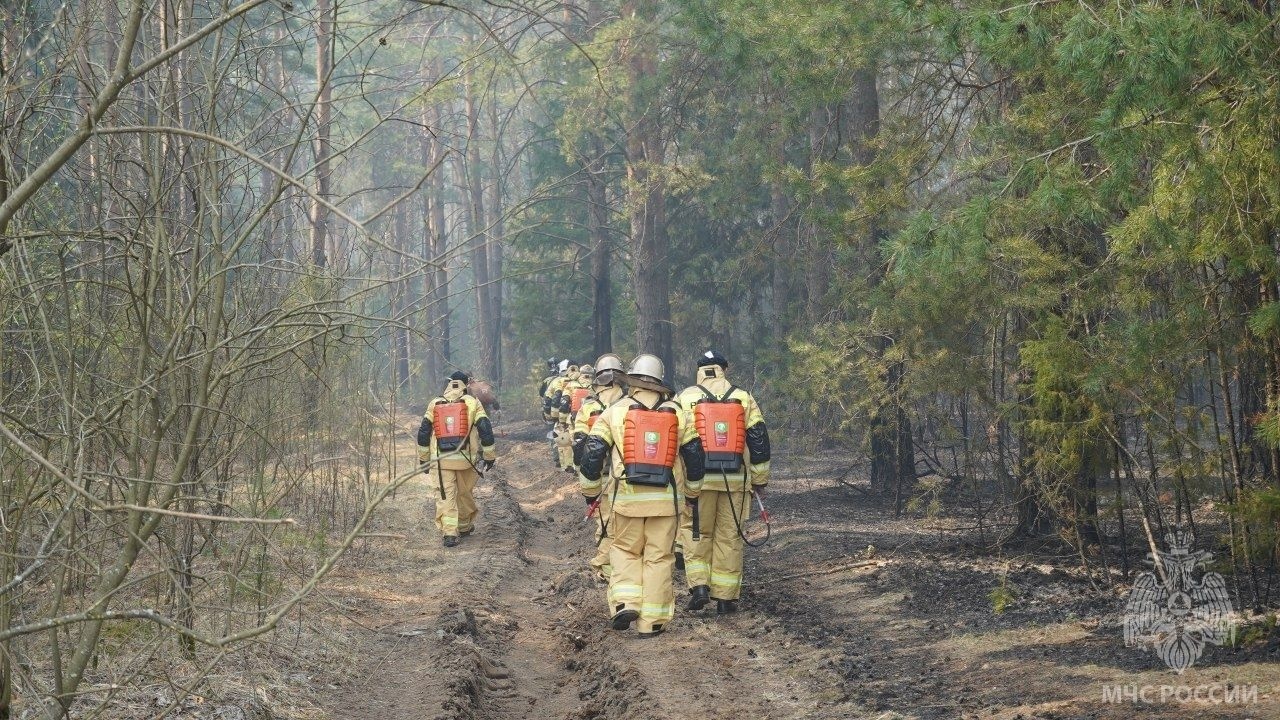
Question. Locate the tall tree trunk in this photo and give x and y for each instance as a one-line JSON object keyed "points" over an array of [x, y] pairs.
{"points": [[783, 246], [497, 230], [598, 229], [400, 289], [479, 234], [435, 239], [817, 248], [892, 448], [647, 201], [324, 117]]}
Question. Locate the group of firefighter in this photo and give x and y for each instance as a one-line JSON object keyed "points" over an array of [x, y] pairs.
{"points": [[668, 476]]}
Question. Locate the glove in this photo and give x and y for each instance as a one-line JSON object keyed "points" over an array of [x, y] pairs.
{"points": [[486, 465], [590, 500]]}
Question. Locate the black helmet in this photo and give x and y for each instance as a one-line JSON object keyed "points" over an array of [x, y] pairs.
{"points": [[711, 357]]}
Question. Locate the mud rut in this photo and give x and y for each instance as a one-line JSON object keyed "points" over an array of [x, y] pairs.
{"points": [[511, 624]]}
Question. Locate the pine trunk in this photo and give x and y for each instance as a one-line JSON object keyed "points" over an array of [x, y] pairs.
{"points": [[647, 201], [435, 241], [324, 118], [496, 231], [399, 290], [479, 234], [598, 228]]}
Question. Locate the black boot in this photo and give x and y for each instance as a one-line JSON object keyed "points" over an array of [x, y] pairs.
{"points": [[699, 596], [450, 540], [623, 618], [655, 632], [680, 561], [724, 607]]}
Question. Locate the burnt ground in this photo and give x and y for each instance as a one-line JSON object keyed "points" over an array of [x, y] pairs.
{"points": [[847, 613]]}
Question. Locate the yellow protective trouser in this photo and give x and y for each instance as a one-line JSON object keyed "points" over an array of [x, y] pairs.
{"points": [[684, 536], [604, 514], [642, 566], [715, 559], [564, 444], [456, 513]]}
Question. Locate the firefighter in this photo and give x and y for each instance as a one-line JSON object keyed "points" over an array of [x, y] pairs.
{"points": [[736, 441], [562, 410], [574, 393], [452, 429], [641, 435], [549, 385], [552, 373], [551, 405], [606, 389]]}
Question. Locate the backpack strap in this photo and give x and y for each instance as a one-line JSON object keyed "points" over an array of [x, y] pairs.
{"points": [[712, 396], [640, 404]]}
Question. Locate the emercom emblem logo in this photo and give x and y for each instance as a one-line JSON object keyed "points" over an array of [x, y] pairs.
{"points": [[1171, 612]]}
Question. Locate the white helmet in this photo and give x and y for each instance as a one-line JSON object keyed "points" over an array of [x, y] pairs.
{"points": [[564, 365], [646, 365], [609, 361]]}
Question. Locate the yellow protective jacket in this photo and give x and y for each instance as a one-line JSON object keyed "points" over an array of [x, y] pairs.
{"points": [[603, 445], [546, 401], [604, 396], [758, 452], [566, 397], [480, 436], [551, 398]]}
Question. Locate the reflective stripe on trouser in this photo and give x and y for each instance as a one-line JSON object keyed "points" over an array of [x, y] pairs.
{"points": [[600, 563], [642, 565], [716, 559], [564, 445], [457, 512]]}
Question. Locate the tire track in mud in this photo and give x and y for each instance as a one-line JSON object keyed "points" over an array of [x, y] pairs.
{"points": [[454, 637], [704, 666]]}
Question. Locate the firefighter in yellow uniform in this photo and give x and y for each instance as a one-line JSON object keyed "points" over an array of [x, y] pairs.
{"points": [[453, 428], [574, 390], [574, 393], [606, 389], [553, 373], [641, 436], [561, 448], [736, 441]]}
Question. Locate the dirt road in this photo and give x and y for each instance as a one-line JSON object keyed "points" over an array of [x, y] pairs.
{"points": [[511, 625]]}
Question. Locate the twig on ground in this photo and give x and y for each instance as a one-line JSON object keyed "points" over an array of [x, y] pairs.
{"points": [[830, 570]]}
